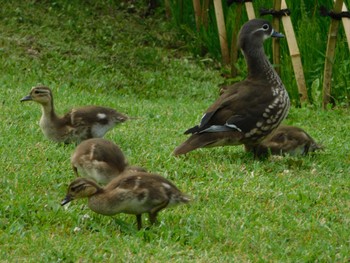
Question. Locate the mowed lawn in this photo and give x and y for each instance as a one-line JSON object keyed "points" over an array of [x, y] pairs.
{"points": [[290, 209]]}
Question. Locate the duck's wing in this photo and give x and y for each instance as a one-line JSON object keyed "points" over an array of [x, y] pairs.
{"points": [[90, 115], [91, 122], [234, 110], [226, 122], [153, 189]]}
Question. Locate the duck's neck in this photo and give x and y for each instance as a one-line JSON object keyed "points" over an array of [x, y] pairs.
{"points": [[48, 111], [259, 67]]}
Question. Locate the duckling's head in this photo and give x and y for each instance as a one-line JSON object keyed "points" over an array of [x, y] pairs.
{"points": [[80, 188], [41, 94], [254, 32]]}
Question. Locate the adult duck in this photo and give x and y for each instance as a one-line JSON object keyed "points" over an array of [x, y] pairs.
{"points": [[249, 110]]}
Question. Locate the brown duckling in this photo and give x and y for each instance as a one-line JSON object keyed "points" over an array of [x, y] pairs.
{"points": [[131, 193], [78, 124], [101, 160], [249, 110], [285, 140]]}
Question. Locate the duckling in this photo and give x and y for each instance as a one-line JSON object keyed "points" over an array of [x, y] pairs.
{"points": [[132, 193], [78, 124], [285, 140], [249, 110], [101, 160]]}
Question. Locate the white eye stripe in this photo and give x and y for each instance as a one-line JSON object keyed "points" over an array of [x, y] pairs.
{"points": [[259, 29], [256, 30], [265, 28]]}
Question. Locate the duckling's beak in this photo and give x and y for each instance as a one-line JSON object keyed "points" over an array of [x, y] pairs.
{"points": [[66, 200], [26, 98], [276, 34]]}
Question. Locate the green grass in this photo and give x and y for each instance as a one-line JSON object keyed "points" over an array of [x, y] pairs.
{"points": [[282, 209]]}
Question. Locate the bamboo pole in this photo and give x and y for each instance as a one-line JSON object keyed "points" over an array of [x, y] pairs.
{"points": [[295, 55], [346, 24], [276, 41], [205, 10], [220, 21], [197, 13], [250, 10], [330, 52], [234, 40]]}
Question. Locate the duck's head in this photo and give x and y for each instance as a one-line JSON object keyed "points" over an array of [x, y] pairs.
{"points": [[42, 95], [80, 188], [254, 32]]}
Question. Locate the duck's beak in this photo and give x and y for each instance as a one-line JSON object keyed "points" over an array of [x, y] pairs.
{"points": [[26, 98], [66, 200], [276, 34]]}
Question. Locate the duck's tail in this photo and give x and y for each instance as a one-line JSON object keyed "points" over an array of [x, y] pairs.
{"points": [[208, 139]]}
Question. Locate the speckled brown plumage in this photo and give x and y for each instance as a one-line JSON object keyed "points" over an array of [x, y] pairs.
{"points": [[284, 140], [101, 160], [249, 110], [78, 124], [132, 193]]}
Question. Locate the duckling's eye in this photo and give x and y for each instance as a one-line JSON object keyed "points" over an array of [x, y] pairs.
{"points": [[265, 27], [39, 92], [77, 188]]}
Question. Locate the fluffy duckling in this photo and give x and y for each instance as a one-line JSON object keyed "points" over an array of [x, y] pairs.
{"points": [[285, 140], [101, 160], [131, 193], [249, 110], [78, 124]]}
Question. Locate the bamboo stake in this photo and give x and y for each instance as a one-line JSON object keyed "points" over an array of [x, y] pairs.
{"points": [[197, 13], [234, 40], [220, 21], [275, 40], [346, 24], [205, 9], [295, 55], [250, 10], [330, 52]]}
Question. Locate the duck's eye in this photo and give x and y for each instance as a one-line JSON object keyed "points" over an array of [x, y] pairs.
{"points": [[265, 27], [77, 188], [39, 91]]}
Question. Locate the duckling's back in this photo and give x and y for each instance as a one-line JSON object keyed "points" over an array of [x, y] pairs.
{"points": [[150, 189]]}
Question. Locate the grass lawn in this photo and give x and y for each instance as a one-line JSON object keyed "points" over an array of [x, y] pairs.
{"points": [[289, 209]]}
